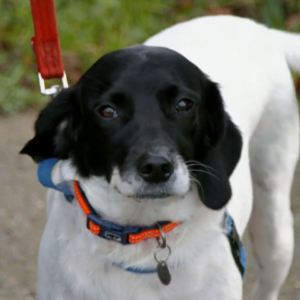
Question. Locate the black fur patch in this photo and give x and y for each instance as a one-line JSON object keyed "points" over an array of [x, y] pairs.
{"points": [[143, 84]]}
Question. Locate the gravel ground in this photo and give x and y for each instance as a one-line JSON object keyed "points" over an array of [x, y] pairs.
{"points": [[22, 217]]}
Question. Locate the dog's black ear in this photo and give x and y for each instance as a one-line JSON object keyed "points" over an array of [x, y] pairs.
{"points": [[224, 146], [55, 127]]}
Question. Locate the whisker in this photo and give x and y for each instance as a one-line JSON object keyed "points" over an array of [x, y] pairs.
{"points": [[199, 164], [202, 171], [195, 180], [97, 80], [108, 202], [93, 88]]}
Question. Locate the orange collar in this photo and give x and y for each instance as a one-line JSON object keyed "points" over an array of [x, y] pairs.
{"points": [[112, 231]]}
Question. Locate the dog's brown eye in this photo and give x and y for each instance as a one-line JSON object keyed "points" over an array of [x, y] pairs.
{"points": [[107, 112], [184, 105]]}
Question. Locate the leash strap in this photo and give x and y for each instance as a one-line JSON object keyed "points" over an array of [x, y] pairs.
{"points": [[46, 44]]}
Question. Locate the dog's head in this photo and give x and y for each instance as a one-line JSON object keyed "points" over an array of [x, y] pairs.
{"points": [[148, 121]]}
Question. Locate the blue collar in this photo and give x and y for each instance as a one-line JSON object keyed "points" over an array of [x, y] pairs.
{"points": [[130, 234], [135, 270]]}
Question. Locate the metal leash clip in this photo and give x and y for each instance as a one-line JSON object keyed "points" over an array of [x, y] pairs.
{"points": [[55, 89]]}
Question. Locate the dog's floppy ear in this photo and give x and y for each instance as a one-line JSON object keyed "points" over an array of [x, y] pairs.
{"points": [[223, 151], [55, 128]]}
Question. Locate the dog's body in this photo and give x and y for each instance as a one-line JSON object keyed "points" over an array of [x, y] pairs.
{"points": [[250, 64]]}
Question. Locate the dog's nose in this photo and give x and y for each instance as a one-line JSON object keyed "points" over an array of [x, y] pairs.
{"points": [[154, 168]]}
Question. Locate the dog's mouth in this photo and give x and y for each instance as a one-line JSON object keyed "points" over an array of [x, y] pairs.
{"points": [[154, 195], [147, 193]]}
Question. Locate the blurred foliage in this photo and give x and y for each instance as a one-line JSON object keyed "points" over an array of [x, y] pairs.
{"points": [[90, 28]]}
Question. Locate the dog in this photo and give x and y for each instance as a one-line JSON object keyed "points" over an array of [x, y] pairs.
{"points": [[199, 122]]}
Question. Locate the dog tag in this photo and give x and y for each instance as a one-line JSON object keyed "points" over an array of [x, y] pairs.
{"points": [[163, 273]]}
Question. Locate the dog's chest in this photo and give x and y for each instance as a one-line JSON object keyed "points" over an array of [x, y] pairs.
{"points": [[105, 282], [102, 281], [90, 278], [203, 260]]}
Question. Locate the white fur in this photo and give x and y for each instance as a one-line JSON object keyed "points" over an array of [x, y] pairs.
{"points": [[251, 66]]}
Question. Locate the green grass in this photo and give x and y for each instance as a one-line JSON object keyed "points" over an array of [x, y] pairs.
{"points": [[90, 28]]}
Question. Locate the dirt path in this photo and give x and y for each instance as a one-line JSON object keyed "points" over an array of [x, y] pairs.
{"points": [[22, 217]]}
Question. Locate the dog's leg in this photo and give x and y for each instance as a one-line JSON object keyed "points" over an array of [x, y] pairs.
{"points": [[273, 154]]}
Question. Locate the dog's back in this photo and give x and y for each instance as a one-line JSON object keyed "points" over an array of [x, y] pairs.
{"points": [[251, 64]]}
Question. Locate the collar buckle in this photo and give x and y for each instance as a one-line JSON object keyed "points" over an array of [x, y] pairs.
{"points": [[109, 230]]}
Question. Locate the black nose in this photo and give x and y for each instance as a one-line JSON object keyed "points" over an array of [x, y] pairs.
{"points": [[154, 168]]}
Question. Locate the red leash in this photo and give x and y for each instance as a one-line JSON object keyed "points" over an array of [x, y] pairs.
{"points": [[46, 45]]}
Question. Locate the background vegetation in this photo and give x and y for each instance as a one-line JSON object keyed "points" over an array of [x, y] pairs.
{"points": [[90, 28]]}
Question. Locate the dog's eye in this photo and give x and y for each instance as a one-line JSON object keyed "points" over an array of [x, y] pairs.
{"points": [[184, 105], [107, 112]]}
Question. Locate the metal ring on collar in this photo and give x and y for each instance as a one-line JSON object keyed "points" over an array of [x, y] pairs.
{"points": [[162, 242], [156, 251]]}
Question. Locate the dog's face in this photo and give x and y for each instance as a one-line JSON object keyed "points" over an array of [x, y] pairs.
{"points": [[147, 120]]}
